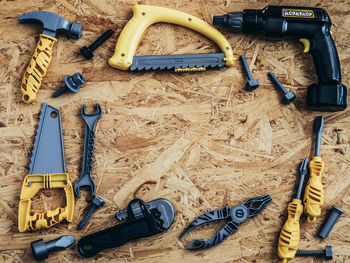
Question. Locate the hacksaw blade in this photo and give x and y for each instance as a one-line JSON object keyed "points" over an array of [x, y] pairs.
{"points": [[173, 62], [48, 154]]}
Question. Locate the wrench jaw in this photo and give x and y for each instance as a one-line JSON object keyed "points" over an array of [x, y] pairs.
{"points": [[84, 181], [91, 119]]}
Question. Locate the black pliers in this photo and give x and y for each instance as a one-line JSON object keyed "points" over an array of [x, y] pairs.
{"points": [[236, 215]]}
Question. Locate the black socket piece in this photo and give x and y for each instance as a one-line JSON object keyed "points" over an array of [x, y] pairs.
{"points": [[42, 249], [332, 218]]}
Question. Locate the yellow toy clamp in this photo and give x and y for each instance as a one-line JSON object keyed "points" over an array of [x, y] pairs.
{"points": [[47, 171], [146, 15]]}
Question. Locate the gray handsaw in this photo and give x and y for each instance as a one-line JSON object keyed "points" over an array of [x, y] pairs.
{"points": [[48, 153], [47, 171]]}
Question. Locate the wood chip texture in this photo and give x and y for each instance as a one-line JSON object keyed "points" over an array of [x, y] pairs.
{"points": [[197, 139]]}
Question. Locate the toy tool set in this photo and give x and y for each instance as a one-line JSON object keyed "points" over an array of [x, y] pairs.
{"points": [[142, 219]]}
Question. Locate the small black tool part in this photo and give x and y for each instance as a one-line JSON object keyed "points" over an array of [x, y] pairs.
{"points": [[252, 84], [327, 253], [87, 52], [42, 249], [141, 222], [332, 218], [289, 96], [319, 123], [233, 21], [235, 216], [73, 84], [327, 97], [97, 202], [162, 205], [303, 170]]}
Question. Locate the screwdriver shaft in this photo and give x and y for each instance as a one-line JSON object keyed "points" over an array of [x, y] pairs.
{"points": [[318, 130], [303, 172]]}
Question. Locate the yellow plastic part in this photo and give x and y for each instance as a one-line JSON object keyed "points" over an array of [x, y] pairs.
{"points": [[288, 241], [146, 15], [37, 68], [189, 69], [306, 44], [313, 196], [32, 184]]}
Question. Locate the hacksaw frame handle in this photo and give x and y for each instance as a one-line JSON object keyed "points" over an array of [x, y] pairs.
{"points": [[146, 15], [32, 184], [37, 68]]}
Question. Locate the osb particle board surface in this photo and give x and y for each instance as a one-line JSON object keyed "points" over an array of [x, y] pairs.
{"points": [[198, 139]]}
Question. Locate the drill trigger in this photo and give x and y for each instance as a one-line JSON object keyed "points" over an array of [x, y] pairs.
{"points": [[306, 44]]}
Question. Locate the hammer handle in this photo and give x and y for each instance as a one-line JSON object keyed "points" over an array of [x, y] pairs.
{"points": [[37, 68]]}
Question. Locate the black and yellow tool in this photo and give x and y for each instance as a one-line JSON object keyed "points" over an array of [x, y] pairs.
{"points": [[312, 26], [288, 241], [36, 70], [146, 15], [313, 196]]}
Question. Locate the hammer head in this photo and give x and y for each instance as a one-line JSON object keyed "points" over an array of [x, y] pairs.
{"points": [[53, 24]]}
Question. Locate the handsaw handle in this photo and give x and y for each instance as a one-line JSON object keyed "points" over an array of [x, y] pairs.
{"points": [[32, 184], [313, 196], [37, 68], [146, 15]]}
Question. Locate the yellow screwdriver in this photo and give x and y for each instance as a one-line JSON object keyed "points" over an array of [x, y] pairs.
{"points": [[313, 196], [288, 241]]}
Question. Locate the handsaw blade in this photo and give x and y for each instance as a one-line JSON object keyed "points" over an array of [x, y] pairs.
{"points": [[172, 62], [48, 153]]}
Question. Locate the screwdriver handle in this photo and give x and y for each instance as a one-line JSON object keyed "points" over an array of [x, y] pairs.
{"points": [[290, 234], [313, 196]]}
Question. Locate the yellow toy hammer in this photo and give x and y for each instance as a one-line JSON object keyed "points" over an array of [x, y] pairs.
{"points": [[41, 58]]}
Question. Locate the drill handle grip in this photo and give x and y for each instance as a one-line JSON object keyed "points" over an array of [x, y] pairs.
{"points": [[37, 68], [325, 58]]}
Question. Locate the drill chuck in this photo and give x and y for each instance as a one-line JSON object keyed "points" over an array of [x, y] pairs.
{"points": [[233, 21]]}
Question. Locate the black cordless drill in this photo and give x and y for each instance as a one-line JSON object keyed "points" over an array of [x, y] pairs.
{"points": [[312, 27]]}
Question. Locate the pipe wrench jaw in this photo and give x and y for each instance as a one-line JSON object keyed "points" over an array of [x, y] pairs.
{"points": [[161, 209]]}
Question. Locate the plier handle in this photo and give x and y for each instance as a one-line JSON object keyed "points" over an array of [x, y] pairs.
{"points": [[235, 216]]}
